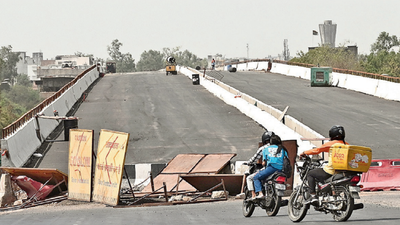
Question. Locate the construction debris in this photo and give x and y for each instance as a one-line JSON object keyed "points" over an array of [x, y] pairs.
{"points": [[27, 187], [7, 196]]}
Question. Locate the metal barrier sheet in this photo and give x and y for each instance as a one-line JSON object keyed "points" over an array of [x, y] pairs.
{"points": [[213, 163], [183, 163], [233, 182]]}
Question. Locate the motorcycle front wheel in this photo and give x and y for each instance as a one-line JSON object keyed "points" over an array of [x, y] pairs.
{"points": [[297, 209], [248, 205], [347, 204]]}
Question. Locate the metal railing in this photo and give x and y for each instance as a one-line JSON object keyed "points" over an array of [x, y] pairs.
{"points": [[33, 112]]}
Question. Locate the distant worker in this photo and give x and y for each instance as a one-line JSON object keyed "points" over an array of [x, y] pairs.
{"points": [[213, 64]]}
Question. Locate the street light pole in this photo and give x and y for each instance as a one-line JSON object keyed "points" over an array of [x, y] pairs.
{"points": [[247, 51]]}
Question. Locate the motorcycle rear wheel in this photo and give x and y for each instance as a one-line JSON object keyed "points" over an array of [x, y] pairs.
{"points": [[348, 206], [275, 206], [248, 205], [297, 209]]}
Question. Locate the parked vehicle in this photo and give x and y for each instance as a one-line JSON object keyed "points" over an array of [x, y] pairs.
{"points": [[273, 189], [335, 195]]}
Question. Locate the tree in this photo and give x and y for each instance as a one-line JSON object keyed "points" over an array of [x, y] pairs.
{"points": [[127, 64], [9, 112], [113, 50], [124, 62], [151, 61], [383, 62], [383, 59], [23, 80], [24, 96], [327, 56], [8, 64], [154, 60], [384, 42], [185, 58]]}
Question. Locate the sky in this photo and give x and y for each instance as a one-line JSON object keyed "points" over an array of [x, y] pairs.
{"points": [[204, 28]]}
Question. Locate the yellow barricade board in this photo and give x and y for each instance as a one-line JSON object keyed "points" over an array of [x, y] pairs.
{"points": [[80, 164], [350, 157], [109, 168]]}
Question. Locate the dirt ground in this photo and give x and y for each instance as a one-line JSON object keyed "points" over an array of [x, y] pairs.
{"points": [[381, 198]]}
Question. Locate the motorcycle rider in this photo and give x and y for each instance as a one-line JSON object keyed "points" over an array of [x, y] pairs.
{"points": [[266, 136], [273, 162], [336, 135]]}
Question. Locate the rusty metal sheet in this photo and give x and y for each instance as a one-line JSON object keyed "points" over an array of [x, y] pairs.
{"points": [[170, 181], [291, 146], [233, 182], [213, 163], [40, 175], [182, 163]]}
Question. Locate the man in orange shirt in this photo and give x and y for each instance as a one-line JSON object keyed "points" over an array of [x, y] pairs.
{"points": [[336, 135]]}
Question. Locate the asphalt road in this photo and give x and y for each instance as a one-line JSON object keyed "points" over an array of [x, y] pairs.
{"points": [[203, 213], [165, 116], [369, 121]]}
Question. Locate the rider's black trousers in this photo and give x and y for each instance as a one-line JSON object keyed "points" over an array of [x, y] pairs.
{"points": [[318, 174]]}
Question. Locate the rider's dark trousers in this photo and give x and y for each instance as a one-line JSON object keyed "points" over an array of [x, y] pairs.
{"points": [[318, 174]]}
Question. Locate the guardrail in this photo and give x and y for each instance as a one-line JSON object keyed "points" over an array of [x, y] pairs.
{"points": [[31, 113], [337, 70]]}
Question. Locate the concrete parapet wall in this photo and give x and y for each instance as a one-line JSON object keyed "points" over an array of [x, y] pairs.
{"points": [[379, 88], [24, 142]]}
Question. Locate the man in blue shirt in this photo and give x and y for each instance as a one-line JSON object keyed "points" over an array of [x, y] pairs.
{"points": [[272, 160]]}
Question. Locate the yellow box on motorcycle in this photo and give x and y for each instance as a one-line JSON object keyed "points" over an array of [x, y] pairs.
{"points": [[350, 157]]}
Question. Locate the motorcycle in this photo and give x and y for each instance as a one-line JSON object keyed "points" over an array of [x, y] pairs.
{"points": [[273, 188], [335, 195]]}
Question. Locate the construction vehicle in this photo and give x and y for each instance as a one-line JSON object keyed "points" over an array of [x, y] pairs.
{"points": [[111, 67], [171, 66]]}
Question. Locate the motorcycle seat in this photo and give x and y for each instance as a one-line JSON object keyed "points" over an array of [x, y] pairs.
{"points": [[339, 175], [275, 174]]}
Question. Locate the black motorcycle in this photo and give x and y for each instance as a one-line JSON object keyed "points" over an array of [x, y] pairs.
{"points": [[335, 195], [273, 188]]}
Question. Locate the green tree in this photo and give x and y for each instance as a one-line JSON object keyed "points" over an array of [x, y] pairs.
{"points": [[9, 112], [124, 62], [8, 63], [332, 57], [23, 95], [384, 42], [23, 80], [151, 61], [113, 50], [383, 59], [127, 64], [185, 58]]}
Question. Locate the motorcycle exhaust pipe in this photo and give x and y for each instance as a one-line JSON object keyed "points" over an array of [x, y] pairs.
{"points": [[358, 206], [284, 202]]}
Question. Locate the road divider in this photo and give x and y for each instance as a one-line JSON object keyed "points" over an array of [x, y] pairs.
{"points": [[383, 175]]}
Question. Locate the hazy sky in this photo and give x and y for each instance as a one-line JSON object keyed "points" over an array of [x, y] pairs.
{"points": [[203, 27]]}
